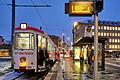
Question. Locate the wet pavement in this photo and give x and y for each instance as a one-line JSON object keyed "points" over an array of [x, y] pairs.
{"points": [[5, 66], [69, 69], [74, 70]]}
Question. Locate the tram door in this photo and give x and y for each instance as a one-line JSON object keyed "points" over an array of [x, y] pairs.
{"points": [[41, 44]]}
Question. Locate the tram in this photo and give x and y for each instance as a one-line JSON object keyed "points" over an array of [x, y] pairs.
{"points": [[28, 41]]}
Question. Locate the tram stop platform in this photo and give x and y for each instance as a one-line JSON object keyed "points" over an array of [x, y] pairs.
{"points": [[67, 69]]}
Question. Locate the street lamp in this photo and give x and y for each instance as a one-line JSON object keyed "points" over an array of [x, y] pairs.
{"points": [[75, 24]]}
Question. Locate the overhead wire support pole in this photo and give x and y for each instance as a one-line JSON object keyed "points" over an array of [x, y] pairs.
{"points": [[95, 42], [13, 28], [13, 22]]}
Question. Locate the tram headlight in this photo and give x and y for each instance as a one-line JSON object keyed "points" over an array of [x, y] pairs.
{"points": [[23, 61]]}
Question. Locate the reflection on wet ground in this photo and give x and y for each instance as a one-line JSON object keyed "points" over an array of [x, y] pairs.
{"points": [[75, 70]]}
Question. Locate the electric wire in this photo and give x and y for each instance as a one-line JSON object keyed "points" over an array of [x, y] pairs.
{"points": [[39, 15]]}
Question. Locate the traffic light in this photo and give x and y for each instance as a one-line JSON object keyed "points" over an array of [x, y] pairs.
{"points": [[99, 5]]}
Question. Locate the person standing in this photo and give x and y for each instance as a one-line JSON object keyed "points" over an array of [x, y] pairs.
{"points": [[41, 57], [46, 58]]}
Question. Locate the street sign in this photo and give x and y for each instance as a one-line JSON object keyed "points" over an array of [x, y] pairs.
{"points": [[79, 8]]}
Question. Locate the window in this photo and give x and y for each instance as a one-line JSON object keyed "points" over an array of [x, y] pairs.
{"points": [[115, 34], [98, 33], [104, 34], [107, 34], [101, 27], [93, 33], [104, 27], [109, 40], [113, 40], [101, 34], [115, 46], [24, 41], [110, 46], [39, 41], [118, 40], [43, 42], [116, 28], [107, 27], [110, 28], [112, 34]]}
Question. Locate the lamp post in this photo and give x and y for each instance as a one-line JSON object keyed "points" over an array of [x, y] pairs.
{"points": [[95, 42]]}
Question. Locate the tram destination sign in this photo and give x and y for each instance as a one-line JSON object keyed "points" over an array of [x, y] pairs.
{"points": [[79, 8]]}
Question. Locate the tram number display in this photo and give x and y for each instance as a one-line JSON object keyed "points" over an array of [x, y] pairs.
{"points": [[23, 53]]}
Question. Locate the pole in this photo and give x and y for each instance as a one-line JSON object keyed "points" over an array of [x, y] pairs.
{"points": [[95, 42], [13, 28]]}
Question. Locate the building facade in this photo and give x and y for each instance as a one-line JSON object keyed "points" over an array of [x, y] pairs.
{"points": [[57, 40], [106, 29]]}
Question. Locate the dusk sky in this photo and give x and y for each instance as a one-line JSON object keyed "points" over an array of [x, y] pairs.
{"points": [[52, 19]]}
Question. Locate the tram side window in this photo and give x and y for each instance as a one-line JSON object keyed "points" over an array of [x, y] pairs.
{"points": [[39, 41], [43, 42], [24, 41]]}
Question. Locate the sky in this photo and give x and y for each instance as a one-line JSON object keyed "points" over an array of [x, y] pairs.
{"points": [[53, 20]]}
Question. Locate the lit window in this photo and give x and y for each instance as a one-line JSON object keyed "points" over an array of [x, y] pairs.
{"points": [[118, 46], [24, 41], [118, 40], [118, 34], [104, 34], [107, 27], [115, 34], [107, 34], [116, 28], [112, 46], [110, 28], [98, 33], [109, 40], [104, 27], [115, 46], [101, 34], [92, 33], [113, 40], [112, 34], [101, 27]]}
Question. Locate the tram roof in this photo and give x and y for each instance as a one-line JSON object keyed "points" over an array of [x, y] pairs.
{"points": [[30, 28]]}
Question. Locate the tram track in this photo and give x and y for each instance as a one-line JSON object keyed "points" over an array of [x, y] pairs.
{"points": [[32, 76]]}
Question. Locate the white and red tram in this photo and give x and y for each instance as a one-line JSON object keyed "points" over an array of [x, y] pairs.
{"points": [[28, 41]]}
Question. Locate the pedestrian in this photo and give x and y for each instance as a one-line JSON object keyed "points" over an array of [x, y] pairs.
{"points": [[81, 56], [46, 58]]}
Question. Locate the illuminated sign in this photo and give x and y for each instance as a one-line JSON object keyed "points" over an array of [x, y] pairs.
{"points": [[88, 29], [80, 8], [23, 25]]}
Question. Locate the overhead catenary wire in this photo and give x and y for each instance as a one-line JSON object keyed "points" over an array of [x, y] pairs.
{"points": [[39, 15]]}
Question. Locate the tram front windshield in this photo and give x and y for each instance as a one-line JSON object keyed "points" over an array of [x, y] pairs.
{"points": [[24, 40]]}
